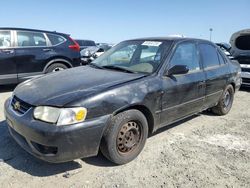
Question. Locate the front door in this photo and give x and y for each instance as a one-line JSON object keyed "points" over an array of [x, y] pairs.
{"points": [[8, 73], [183, 94]]}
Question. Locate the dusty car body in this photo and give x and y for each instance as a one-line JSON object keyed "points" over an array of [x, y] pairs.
{"points": [[240, 50], [132, 90]]}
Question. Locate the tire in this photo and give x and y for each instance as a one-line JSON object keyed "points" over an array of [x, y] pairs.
{"points": [[225, 102], [125, 137], [56, 67]]}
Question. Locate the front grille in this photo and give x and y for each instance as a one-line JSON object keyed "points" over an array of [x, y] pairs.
{"points": [[20, 106], [245, 69], [246, 80]]}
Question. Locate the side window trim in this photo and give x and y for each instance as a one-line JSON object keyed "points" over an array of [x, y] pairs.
{"points": [[16, 40]]}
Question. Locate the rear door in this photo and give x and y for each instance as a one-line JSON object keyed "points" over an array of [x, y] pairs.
{"points": [[216, 71], [31, 53], [8, 72], [183, 94]]}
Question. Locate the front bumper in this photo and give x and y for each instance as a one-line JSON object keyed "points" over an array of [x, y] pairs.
{"points": [[55, 144], [245, 78]]}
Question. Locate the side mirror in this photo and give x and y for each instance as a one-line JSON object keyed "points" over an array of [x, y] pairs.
{"points": [[177, 69]]}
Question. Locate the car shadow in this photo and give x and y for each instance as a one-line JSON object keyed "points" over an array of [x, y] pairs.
{"points": [[13, 155], [7, 88], [161, 130], [99, 160]]}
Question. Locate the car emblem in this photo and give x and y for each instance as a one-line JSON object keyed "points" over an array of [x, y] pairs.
{"points": [[17, 105]]}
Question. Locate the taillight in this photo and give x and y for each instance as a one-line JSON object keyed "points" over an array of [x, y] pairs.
{"points": [[74, 46]]}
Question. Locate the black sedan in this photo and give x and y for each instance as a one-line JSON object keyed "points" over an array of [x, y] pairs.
{"points": [[113, 103]]}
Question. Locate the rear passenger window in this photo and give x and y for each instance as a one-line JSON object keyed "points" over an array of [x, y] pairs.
{"points": [[88, 43], [30, 39], [222, 60], [209, 55], [5, 39], [55, 39], [186, 54]]}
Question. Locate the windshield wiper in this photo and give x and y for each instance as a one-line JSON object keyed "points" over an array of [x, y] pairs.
{"points": [[95, 65], [113, 67]]}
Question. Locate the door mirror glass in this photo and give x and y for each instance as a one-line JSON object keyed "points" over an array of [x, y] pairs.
{"points": [[177, 69]]}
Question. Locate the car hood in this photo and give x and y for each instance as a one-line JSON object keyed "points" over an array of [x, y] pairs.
{"points": [[60, 88]]}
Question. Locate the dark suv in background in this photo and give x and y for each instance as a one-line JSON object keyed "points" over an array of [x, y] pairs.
{"points": [[26, 53], [85, 43]]}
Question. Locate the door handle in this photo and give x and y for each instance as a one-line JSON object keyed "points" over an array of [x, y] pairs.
{"points": [[8, 51], [201, 84], [47, 50]]}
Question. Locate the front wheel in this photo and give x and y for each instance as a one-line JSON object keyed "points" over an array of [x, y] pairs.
{"points": [[226, 101], [125, 137]]}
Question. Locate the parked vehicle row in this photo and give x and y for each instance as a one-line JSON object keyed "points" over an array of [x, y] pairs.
{"points": [[115, 102], [27, 53], [85, 43], [91, 53], [240, 50]]}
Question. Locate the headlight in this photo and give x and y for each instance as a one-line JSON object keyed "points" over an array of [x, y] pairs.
{"points": [[86, 53], [60, 116]]}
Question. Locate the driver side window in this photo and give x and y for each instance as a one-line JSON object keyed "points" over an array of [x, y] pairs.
{"points": [[186, 54]]}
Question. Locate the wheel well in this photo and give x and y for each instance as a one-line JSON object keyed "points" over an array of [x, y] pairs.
{"points": [[233, 84], [64, 62], [146, 112]]}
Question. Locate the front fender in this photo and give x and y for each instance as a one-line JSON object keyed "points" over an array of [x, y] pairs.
{"points": [[145, 92]]}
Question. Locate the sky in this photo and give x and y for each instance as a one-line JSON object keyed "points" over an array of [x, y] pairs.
{"points": [[115, 20]]}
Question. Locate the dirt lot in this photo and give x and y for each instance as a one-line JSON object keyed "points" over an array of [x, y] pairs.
{"points": [[203, 151]]}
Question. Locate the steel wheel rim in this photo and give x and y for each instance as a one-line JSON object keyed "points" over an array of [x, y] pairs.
{"points": [[226, 99], [129, 137], [57, 69]]}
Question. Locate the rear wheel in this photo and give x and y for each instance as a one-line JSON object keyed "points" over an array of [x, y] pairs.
{"points": [[56, 67], [125, 137], [225, 102]]}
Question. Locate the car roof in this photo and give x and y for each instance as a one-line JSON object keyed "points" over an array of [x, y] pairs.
{"points": [[35, 30], [173, 39]]}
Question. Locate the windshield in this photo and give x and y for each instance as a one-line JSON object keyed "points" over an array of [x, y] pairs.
{"points": [[137, 56]]}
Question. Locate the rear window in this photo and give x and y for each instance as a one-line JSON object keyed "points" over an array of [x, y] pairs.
{"points": [[243, 42], [209, 55], [30, 39], [222, 60], [55, 39], [86, 42]]}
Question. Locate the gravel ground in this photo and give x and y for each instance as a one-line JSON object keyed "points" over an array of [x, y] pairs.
{"points": [[202, 151]]}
